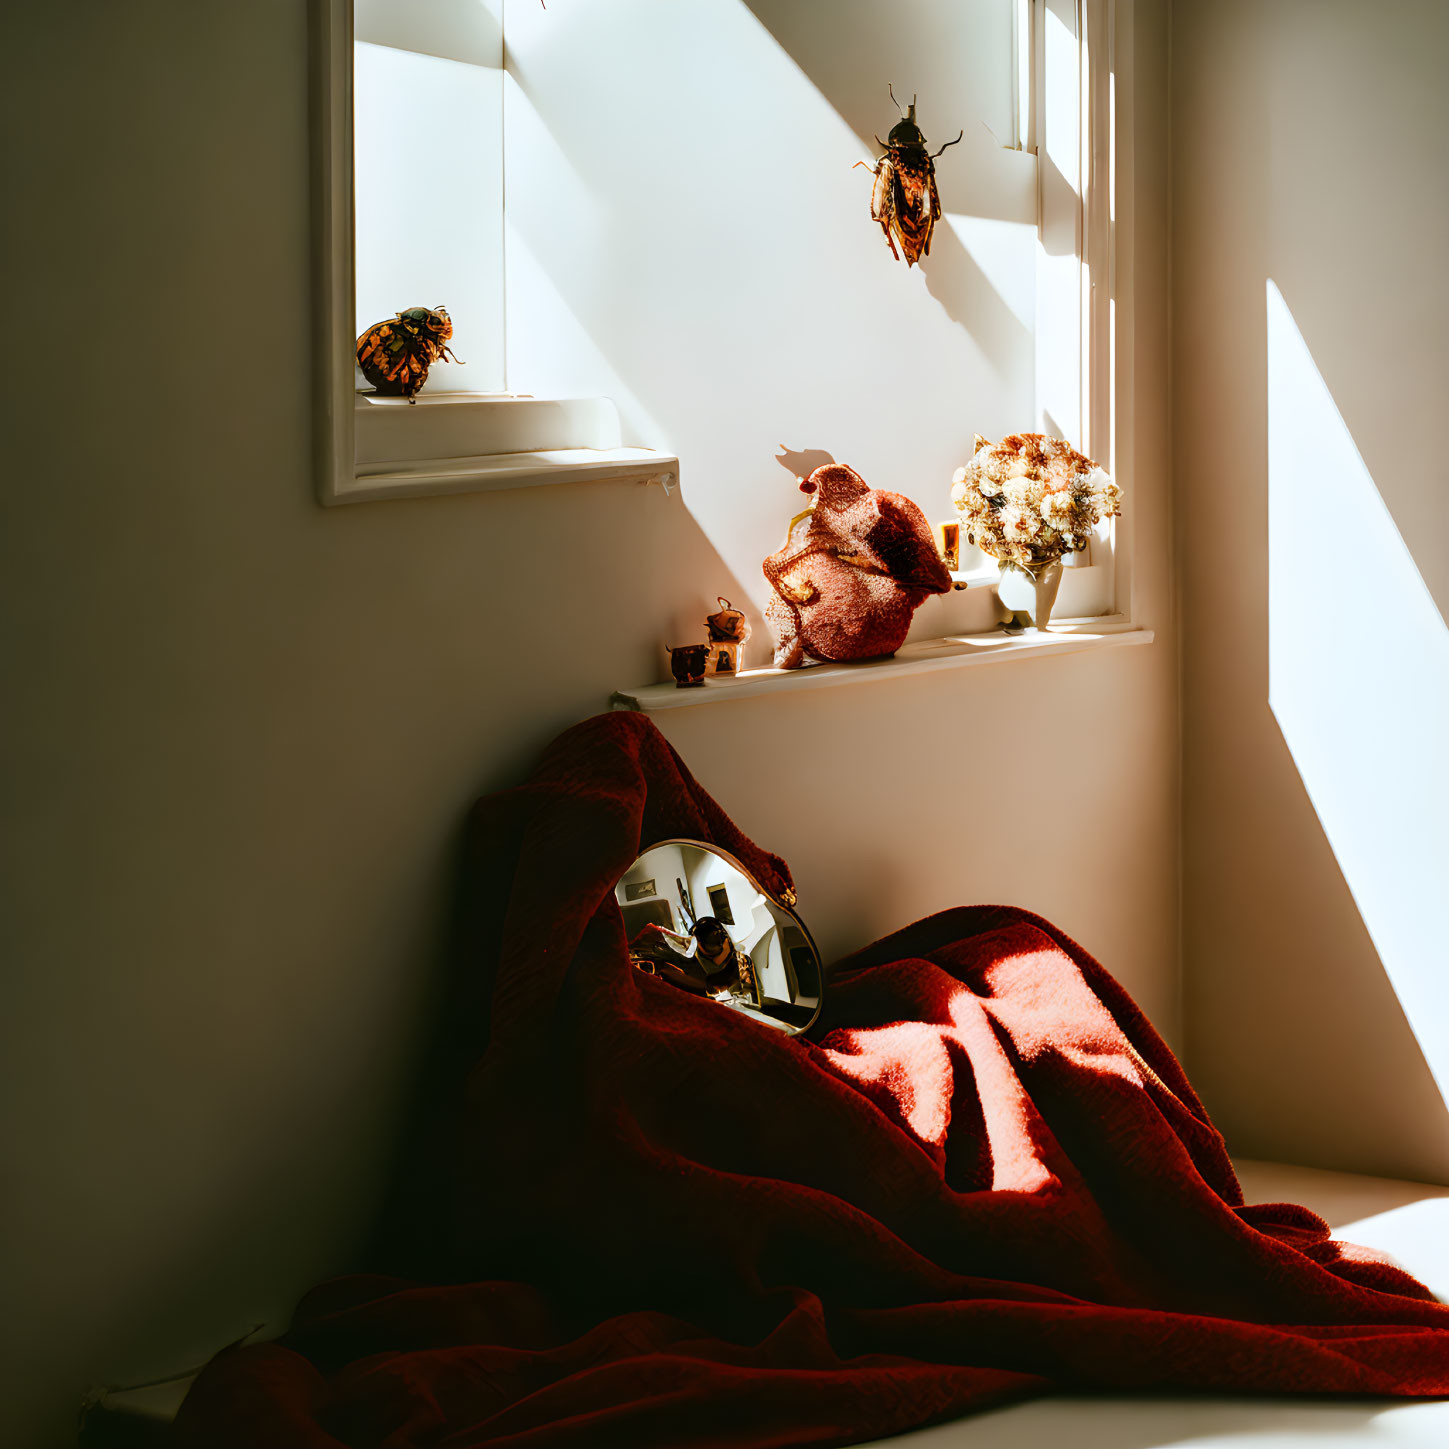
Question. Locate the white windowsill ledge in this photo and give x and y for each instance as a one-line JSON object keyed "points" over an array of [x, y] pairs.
{"points": [[927, 656], [511, 470], [473, 424], [454, 442]]}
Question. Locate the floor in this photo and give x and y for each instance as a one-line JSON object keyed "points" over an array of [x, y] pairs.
{"points": [[1409, 1220]]}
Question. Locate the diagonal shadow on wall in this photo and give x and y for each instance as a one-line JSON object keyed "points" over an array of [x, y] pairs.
{"points": [[1359, 691]]}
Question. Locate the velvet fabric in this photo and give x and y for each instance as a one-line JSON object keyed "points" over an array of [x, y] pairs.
{"points": [[664, 1224]]}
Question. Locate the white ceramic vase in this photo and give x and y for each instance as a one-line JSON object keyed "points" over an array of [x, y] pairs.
{"points": [[1032, 595]]}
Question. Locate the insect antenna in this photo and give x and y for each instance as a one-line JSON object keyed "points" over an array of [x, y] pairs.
{"points": [[934, 154], [891, 88]]}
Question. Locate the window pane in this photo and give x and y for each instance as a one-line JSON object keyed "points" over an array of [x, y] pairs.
{"points": [[429, 177]]}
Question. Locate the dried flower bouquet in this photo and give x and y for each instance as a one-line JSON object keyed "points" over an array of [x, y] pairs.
{"points": [[1030, 499]]}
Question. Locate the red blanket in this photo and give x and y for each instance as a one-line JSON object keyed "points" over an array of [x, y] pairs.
{"points": [[669, 1225]]}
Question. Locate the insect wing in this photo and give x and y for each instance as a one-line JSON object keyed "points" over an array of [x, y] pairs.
{"points": [[882, 190], [883, 201], [914, 214], [392, 360], [376, 351]]}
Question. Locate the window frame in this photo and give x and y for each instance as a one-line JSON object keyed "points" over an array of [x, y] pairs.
{"points": [[1077, 215], [582, 444], [335, 279]]}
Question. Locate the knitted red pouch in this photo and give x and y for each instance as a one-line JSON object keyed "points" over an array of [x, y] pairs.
{"points": [[852, 572]]}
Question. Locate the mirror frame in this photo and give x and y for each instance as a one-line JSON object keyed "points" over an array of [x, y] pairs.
{"points": [[778, 902]]}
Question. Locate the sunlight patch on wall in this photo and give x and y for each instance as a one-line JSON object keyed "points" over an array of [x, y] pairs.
{"points": [[1359, 682], [1005, 251], [723, 275], [1062, 102], [559, 345], [1058, 262]]}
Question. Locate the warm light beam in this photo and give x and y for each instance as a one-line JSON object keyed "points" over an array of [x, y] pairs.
{"points": [[1359, 682]]}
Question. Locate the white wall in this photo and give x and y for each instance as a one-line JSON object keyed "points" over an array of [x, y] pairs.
{"points": [[664, 866], [1311, 142], [241, 731]]}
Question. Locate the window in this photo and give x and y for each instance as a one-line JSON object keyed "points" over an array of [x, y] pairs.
{"points": [[719, 905], [428, 176], [1024, 291], [1072, 125], [408, 118]]}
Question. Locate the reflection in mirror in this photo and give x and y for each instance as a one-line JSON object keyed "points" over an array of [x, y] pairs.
{"points": [[698, 920]]}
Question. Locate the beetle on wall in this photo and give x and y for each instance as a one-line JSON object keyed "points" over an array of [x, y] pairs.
{"points": [[904, 199]]}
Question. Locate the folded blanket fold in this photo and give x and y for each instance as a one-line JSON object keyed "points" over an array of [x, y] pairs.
{"points": [[661, 1223]]}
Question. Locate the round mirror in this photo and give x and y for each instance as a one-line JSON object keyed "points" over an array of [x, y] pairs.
{"points": [[697, 919]]}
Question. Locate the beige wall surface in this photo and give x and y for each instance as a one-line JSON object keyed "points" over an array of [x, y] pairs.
{"points": [[241, 731], [1311, 149]]}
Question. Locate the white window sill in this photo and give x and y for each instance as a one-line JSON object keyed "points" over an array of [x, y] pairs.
{"points": [[456, 442], [926, 657], [470, 424], [512, 470]]}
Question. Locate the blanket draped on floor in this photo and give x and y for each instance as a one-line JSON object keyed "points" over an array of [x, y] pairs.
{"points": [[666, 1224]]}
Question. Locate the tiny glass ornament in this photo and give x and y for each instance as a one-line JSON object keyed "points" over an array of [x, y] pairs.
{"points": [[948, 543], [728, 630], [723, 660], [395, 355], [728, 624], [904, 199], [686, 663]]}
